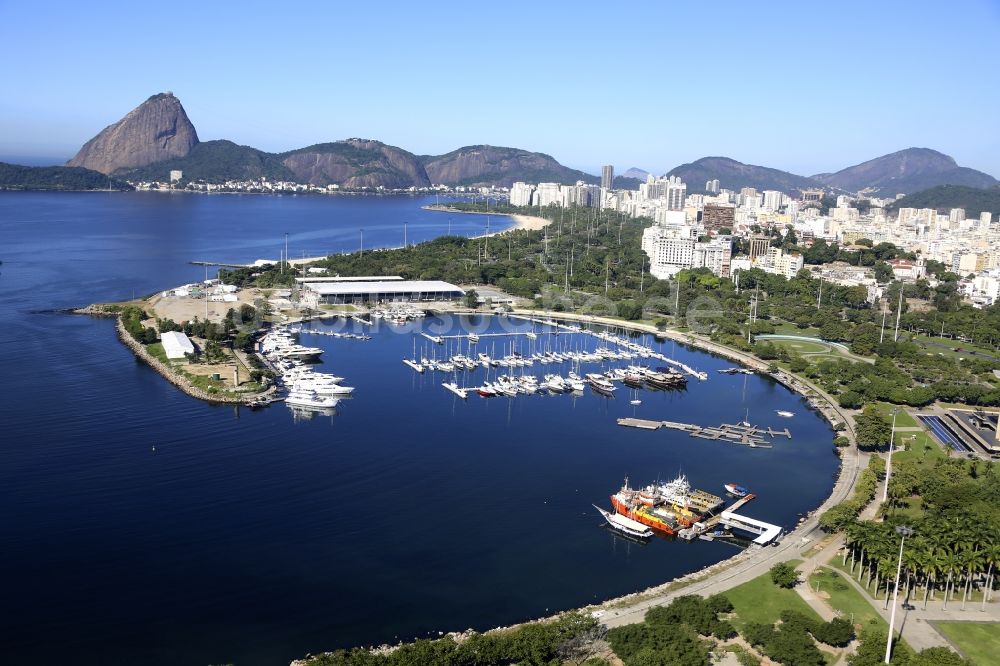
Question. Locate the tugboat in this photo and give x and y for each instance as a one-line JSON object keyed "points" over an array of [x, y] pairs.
{"points": [[736, 490]]}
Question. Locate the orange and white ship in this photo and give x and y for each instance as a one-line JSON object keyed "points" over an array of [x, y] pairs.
{"points": [[665, 507]]}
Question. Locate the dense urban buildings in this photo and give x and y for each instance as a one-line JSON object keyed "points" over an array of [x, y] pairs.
{"points": [[696, 231]]}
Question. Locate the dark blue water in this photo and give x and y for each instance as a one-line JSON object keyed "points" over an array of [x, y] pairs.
{"points": [[256, 537]]}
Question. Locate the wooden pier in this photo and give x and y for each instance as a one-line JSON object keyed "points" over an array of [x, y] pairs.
{"points": [[742, 433]]}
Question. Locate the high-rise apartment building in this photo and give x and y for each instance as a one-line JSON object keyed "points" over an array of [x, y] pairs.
{"points": [[712, 186], [669, 245], [773, 200], [714, 255], [716, 216], [676, 192], [607, 176], [520, 194], [548, 194], [759, 246]]}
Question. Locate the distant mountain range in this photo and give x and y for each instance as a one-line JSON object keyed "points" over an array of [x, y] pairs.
{"points": [[157, 137]]}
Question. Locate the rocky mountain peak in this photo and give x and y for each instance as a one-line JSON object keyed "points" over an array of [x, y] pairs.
{"points": [[156, 130]]}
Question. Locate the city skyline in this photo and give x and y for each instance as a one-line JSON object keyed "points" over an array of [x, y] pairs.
{"points": [[800, 91]]}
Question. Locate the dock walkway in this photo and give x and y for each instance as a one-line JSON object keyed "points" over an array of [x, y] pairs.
{"points": [[742, 433]]}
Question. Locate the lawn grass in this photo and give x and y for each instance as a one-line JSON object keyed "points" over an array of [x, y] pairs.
{"points": [[844, 597], [813, 352], [156, 351], [760, 600], [903, 419], [917, 446], [788, 328], [979, 641], [950, 345]]}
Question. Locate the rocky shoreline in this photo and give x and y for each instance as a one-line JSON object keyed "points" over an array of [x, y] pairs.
{"points": [[177, 380]]}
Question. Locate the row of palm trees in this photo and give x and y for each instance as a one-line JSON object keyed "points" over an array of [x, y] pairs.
{"points": [[942, 556]]}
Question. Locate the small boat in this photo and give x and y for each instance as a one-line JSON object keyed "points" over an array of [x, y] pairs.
{"points": [[635, 402], [736, 490], [625, 525], [784, 414], [473, 337]]}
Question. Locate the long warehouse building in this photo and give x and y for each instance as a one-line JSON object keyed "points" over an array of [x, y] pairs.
{"points": [[384, 291]]}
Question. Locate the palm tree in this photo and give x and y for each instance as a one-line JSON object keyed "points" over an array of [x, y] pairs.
{"points": [[970, 561], [935, 564], [951, 566], [912, 559], [991, 554]]}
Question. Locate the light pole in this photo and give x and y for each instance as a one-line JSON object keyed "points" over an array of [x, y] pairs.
{"points": [[888, 465], [903, 531]]}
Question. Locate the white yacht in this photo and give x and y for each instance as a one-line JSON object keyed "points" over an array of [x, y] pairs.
{"points": [[310, 399]]}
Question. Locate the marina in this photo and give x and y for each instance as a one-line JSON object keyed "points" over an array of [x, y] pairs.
{"points": [[232, 492]]}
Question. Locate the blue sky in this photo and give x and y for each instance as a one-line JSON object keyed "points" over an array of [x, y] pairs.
{"points": [[806, 87]]}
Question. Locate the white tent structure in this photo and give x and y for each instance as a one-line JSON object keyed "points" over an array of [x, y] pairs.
{"points": [[176, 344]]}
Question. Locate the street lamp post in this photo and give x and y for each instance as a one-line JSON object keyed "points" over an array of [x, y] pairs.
{"points": [[903, 531], [888, 465]]}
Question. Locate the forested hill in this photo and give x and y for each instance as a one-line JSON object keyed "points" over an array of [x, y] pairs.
{"points": [[17, 177], [944, 197]]}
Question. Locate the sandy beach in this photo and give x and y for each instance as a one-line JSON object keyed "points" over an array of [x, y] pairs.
{"points": [[529, 222], [521, 222]]}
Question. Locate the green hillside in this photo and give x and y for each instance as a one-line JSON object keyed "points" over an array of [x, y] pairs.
{"points": [[17, 177], [944, 197], [215, 161]]}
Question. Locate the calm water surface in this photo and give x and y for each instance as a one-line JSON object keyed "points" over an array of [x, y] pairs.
{"points": [[255, 537]]}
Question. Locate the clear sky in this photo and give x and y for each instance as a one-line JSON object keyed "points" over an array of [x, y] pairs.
{"points": [[802, 86]]}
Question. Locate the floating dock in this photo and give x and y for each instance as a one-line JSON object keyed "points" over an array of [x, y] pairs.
{"points": [[742, 433], [702, 527], [460, 392], [416, 366], [627, 344]]}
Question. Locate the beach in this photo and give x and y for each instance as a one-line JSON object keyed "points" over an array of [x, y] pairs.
{"points": [[521, 222]]}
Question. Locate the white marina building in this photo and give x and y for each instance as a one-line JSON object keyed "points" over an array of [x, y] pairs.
{"points": [[379, 290]]}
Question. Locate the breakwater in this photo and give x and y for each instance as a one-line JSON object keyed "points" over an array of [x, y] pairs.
{"points": [[180, 381]]}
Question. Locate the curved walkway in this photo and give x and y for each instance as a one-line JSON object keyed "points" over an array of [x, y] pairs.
{"points": [[844, 349]]}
